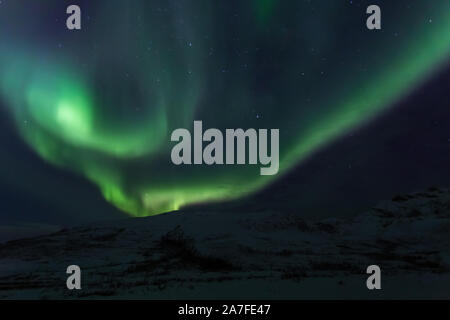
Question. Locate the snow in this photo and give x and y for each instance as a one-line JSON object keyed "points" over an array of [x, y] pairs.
{"points": [[204, 254]]}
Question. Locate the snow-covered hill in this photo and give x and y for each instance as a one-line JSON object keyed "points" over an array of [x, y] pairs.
{"points": [[243, 255]]}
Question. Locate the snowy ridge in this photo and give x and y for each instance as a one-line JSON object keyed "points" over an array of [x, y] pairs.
{"points": [[252, 255]]}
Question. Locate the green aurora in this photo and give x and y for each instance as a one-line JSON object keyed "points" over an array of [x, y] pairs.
{"points": [[102, 102]]}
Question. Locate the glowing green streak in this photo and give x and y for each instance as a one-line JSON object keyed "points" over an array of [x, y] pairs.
{"points": [[57, 104], [264, 9], [60, 117], [398, 77]]}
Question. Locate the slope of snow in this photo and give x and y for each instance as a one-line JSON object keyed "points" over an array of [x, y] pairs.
{"points": [[242, 255]]}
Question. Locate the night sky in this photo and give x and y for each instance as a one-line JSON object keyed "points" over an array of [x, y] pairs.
{"points": [[87, 115]]}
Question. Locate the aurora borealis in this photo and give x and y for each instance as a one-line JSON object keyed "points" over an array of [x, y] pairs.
{"points": [[102, 102]]}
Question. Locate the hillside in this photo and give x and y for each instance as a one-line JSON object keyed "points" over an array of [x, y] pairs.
{"points": [[262, 254]]}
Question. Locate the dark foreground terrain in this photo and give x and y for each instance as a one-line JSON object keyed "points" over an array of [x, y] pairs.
{"points": [[256, 255]]}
